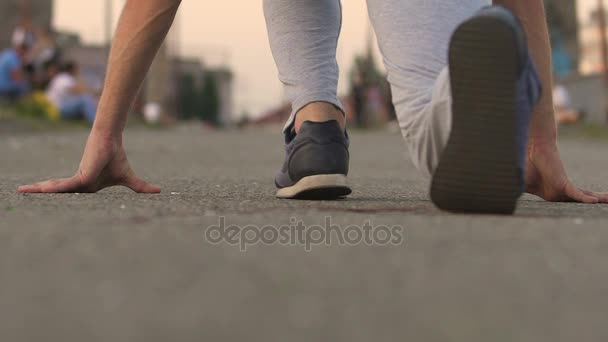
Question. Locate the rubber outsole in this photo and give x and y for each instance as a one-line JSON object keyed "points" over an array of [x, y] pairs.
{"points": [[319, 187], [477, 172]]}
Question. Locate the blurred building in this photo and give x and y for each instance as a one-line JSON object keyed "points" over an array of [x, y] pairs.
{"points": [[225, 86], [158, 88], [12, 12], [591, 48], [193, 67], [203, 92], [585, 82]]}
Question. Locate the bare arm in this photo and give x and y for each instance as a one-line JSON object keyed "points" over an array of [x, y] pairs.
{"points": [[141, 30], [546, 176]]}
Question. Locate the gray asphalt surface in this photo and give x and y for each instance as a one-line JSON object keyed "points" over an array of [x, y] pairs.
{"points": [[116, 266]]}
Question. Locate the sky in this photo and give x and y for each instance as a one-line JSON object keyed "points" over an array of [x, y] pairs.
{"points": [[231, 33], [584, 7]]}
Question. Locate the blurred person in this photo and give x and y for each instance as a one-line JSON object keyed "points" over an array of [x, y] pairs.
{"points": [[564, 113], [13, 79], [44, 48], [24, 33], [414, 36], [70, 95], [43, 53], [464, 86]]}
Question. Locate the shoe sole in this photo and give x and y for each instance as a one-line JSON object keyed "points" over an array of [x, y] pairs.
{"points": [[319, 187], [478, 172]]}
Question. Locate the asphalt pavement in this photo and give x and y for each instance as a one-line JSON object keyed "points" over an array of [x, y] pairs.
{"points": [[117, 266]]}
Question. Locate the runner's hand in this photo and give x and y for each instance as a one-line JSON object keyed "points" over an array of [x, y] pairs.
{"points": [[104, 164]]}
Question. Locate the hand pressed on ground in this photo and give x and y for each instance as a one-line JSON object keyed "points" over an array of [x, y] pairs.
{"points": [[547, 177], [104, 164]]}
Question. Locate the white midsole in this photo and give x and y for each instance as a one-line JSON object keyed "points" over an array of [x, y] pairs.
{"points": [[313, 183]]}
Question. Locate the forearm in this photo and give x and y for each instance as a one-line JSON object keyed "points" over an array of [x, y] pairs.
{"points": [[141, 30], [532, 15]]}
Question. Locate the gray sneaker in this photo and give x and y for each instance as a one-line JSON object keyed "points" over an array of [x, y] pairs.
{"points": [[316, 165]]}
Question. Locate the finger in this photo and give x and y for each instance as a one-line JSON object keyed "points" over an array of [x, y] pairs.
{"points": [[602, 197], [52, 186], [140, 186], [30, 188], [579, 196]]}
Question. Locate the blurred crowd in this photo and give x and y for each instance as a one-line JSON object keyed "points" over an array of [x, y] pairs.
{"points": [[33, 69]]}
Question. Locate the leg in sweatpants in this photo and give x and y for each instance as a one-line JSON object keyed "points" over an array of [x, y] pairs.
{"points": [[303, 37], [414, 36]]}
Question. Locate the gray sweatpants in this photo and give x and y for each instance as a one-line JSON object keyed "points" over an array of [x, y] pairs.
{"points": [[413, 36]]}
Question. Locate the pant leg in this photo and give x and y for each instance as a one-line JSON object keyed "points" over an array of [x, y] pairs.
{"points": [[70, 108], [304, 37], [79, 106], [15, 91], [414, 37]]}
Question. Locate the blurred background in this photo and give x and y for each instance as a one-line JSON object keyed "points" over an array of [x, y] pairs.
{"points": [[216, 66]]}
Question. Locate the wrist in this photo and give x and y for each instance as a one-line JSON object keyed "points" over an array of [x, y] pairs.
{"points": [[541, 147], [542, 139], [106, 128], [543, 128], [106, 133]]}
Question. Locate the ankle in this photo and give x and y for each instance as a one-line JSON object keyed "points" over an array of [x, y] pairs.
{"points": [[319, 112]]}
